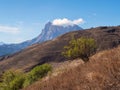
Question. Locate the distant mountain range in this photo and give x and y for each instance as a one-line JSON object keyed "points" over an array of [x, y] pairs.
{"points": [[49, 32], [1, 43]]}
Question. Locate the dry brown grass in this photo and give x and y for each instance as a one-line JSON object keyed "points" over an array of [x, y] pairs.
{"points": [[102, 72]]}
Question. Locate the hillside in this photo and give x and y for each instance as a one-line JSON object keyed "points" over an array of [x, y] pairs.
{"points": [[48, 33], [50, 51], [102, 72]]}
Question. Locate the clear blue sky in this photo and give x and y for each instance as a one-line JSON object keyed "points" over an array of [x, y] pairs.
{"points": [[22, 20]]}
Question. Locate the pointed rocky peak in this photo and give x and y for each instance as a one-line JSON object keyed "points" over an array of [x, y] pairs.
{"points": [[48, 25], [51, 31]]}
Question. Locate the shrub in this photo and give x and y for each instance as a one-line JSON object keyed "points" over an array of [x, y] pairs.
{"points": [[36, 73], [80, 48], [12, 80], [17, 83]]}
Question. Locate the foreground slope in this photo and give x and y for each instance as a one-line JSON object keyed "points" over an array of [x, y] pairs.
{"points": [[50, 51], [102, 72]]}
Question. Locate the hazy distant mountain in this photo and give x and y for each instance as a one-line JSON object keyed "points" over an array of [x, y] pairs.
{"points": [[1, 43], [49, 32], [52, 31]]}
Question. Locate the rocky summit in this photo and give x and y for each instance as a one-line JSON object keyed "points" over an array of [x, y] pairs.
{"points": [[49, 32]]}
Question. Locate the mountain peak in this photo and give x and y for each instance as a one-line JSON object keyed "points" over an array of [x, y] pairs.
{"points": [[51, 31], [48, 24]]}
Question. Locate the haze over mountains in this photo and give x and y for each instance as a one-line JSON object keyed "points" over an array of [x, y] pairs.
{"points": [[1, 43], [49, 32]]}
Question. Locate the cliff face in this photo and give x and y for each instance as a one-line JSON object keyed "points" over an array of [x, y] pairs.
{"points": [[52, 31]]}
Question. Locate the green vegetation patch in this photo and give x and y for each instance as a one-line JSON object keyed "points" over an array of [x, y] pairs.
{"points": [[80, 48], [15, 80], [37, 72]]}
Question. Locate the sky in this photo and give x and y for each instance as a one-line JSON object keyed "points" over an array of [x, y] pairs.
{"points": [[22, 20]]}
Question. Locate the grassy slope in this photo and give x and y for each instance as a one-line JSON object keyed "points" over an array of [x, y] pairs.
{"points": [[102, 72]]}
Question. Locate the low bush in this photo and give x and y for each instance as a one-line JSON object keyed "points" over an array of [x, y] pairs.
{"points": [[14, 80], [17, 83], [36, 73]]}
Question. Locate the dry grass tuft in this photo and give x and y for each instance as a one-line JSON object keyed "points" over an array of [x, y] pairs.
{"points": [[102, 72]]}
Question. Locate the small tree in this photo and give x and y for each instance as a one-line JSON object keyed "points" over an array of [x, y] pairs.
{"points": [[80, 48]]}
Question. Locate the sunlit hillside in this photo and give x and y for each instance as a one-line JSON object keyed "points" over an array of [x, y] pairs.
{"points": [[102, 72]]}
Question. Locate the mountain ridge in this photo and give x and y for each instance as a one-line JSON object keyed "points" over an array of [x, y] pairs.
{"points": [[50, 51]]}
